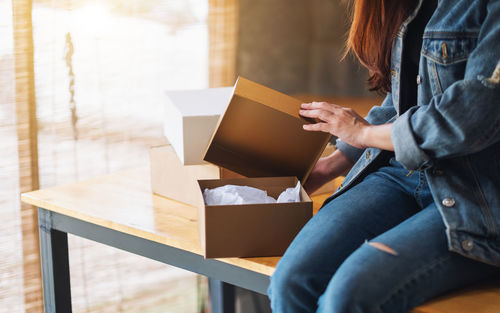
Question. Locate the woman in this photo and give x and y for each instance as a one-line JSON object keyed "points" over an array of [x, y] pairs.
{"points": [[419, 212]]}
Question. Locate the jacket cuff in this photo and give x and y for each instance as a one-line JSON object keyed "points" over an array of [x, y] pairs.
{"points": [[406, 147], [351, 152]]}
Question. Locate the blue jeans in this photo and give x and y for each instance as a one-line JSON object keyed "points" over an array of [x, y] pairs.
{"points": [[379, 247]]}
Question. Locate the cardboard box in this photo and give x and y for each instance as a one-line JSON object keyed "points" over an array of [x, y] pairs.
{"points": [[252, 229], [171, 179], [260, 135], [191, 118]]}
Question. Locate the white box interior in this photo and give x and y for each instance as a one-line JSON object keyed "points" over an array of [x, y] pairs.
{"points": [[190, 119]]}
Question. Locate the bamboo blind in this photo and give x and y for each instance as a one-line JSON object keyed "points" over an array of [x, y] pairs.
{"points": [[223, 29], [88, 101], [11, 252], [27, 138]]}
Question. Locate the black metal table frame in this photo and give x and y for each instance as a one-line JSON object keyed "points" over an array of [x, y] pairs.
{"points": [[54, 230]]}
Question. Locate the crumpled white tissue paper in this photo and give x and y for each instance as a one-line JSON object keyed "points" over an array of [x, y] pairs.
{"points": [[233, 194], [290, 194]]}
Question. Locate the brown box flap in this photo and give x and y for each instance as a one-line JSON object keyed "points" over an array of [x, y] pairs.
{"points": [[261, 135]]}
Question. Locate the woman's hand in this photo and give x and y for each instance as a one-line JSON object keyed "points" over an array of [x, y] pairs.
{"points": [[347, 125], [342, 122]]}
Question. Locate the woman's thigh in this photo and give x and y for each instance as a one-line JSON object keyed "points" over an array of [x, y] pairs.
{"points": [[368, 209], [420, 267]]}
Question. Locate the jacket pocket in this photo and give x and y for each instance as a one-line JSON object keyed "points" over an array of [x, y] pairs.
{"points": [[446, 55]]}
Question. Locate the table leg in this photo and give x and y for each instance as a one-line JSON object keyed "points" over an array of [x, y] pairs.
{"points": [[55, 265], [222, 296]]}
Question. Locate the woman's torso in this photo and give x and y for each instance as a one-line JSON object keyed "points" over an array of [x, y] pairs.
{"points": [[466, 188]]}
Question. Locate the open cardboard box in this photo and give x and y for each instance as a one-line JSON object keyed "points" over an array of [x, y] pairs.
{"points": [[252, 229], [260, 135], [171, 179]]}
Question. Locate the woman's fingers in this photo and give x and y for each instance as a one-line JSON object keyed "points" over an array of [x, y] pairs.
{"points": [[344, 123], [321, 105], [317, 127], [323, 115]]}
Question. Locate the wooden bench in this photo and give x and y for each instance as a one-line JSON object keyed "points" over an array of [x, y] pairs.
{"points": [[119, 210]]}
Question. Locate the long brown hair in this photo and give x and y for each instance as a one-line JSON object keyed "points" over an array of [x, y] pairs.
{"points": [[374, 26]]}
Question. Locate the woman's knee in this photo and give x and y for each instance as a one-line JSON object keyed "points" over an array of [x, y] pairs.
{"points": [[286, 279], [348, 296], [345, 297], [360, 284], [296, 285]]}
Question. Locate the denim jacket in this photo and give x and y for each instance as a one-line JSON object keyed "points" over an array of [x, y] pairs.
{"points": [[453, 133]]}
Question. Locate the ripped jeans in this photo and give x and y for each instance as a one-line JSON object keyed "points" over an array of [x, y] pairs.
{"points": [[379, 247]]}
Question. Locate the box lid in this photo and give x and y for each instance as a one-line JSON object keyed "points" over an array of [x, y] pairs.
{"points": [[260, 135]]}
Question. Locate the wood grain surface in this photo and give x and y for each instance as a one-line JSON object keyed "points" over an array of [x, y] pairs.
{"points": [[123, 201]]}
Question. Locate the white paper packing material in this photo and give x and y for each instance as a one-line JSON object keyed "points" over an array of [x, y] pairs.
{"points": [[290, 194], [233, 194], [190, 119]]}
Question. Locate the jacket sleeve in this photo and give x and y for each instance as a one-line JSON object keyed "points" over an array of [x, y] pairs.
{"points": [[379, 114], [465, 118]]}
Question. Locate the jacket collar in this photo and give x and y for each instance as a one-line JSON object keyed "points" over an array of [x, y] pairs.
{"points": [[409, 19]]}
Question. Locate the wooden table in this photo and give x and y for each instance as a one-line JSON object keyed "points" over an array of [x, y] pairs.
{"points": [[120, 210]]}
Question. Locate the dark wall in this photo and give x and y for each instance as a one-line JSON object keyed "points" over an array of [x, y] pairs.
{"points": [[296, 46]]}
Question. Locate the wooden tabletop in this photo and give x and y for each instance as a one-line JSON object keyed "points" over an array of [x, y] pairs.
{"points": [[123, 201]]}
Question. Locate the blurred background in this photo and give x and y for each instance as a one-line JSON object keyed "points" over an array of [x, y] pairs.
{"points": [[81, 93]]}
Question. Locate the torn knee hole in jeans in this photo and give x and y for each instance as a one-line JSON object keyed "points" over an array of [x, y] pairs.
{"points": [[494, 80], [495, 77], [382, 247]]}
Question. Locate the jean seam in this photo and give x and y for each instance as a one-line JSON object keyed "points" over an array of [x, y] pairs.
{"points": [[417, 190], [422, 271]]}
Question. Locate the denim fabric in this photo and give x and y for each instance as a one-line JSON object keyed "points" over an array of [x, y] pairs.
{"points": [[453, 133], [331, 267]]}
